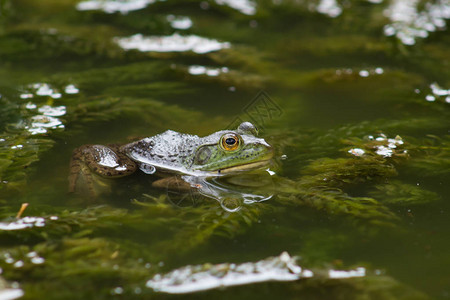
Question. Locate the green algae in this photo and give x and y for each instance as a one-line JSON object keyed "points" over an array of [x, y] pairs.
{"points": [[327, 201], [402, 194]]}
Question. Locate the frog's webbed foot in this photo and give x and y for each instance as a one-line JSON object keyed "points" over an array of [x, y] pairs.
{"points": [[90, 160]]}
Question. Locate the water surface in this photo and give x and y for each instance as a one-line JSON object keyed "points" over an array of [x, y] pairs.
{"points": [[353, 95]]}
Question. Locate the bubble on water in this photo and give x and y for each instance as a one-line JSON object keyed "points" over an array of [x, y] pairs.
{"points": [[147, 168], [117, 291]]}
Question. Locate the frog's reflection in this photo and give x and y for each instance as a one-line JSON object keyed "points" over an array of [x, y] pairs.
{"points": [[232, 192]]}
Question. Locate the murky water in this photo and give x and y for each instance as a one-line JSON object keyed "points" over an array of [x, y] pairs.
{"points": [[353, 95]]}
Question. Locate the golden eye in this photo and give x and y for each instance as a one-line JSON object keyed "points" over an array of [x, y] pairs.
{"points": [[230, 141]]}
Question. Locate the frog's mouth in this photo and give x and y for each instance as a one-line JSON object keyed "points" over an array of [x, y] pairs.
{"points": [[244, 167]]}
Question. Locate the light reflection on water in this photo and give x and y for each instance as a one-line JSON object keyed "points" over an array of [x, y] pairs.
{"points": [[247, 7], [179, 22], [11, 293], [362, 73], [358, 272], [438, 92], [235, 191], [47, 119], [39, 101], [410, 23], [172, 43], [197, 278], [191, 279], [24, 223], [112, 6], [330, 8], [383, 146], [202, 70]]}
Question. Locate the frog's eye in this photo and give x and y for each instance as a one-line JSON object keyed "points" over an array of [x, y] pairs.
{"points": [[230, 141]]}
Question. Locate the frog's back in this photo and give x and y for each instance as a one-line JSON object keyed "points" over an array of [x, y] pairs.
{"points": [[169, 150]]}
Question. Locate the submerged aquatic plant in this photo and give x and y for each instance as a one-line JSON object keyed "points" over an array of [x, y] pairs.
{"points": [[329, 180]]}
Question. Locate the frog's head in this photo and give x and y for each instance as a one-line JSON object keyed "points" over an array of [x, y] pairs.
{"points": [[232, 151]]}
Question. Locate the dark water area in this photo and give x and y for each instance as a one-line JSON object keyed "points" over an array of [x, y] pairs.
{"points": [[353, 96]]}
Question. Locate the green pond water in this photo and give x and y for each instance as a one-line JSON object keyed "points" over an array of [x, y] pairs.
{"points": [[353, 96]]}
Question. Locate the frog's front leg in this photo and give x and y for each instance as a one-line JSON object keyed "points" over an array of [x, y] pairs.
{"points": [[108, 162]]}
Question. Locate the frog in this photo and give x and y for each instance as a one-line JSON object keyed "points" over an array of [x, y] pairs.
{"points": [[221, 153]]}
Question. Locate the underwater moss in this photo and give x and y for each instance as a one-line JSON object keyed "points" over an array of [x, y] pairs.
{"points": [[341, 84], [403, 194]]}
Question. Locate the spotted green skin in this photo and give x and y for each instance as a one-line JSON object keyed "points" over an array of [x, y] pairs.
{"points": [[189, 154], [173, 152]]}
